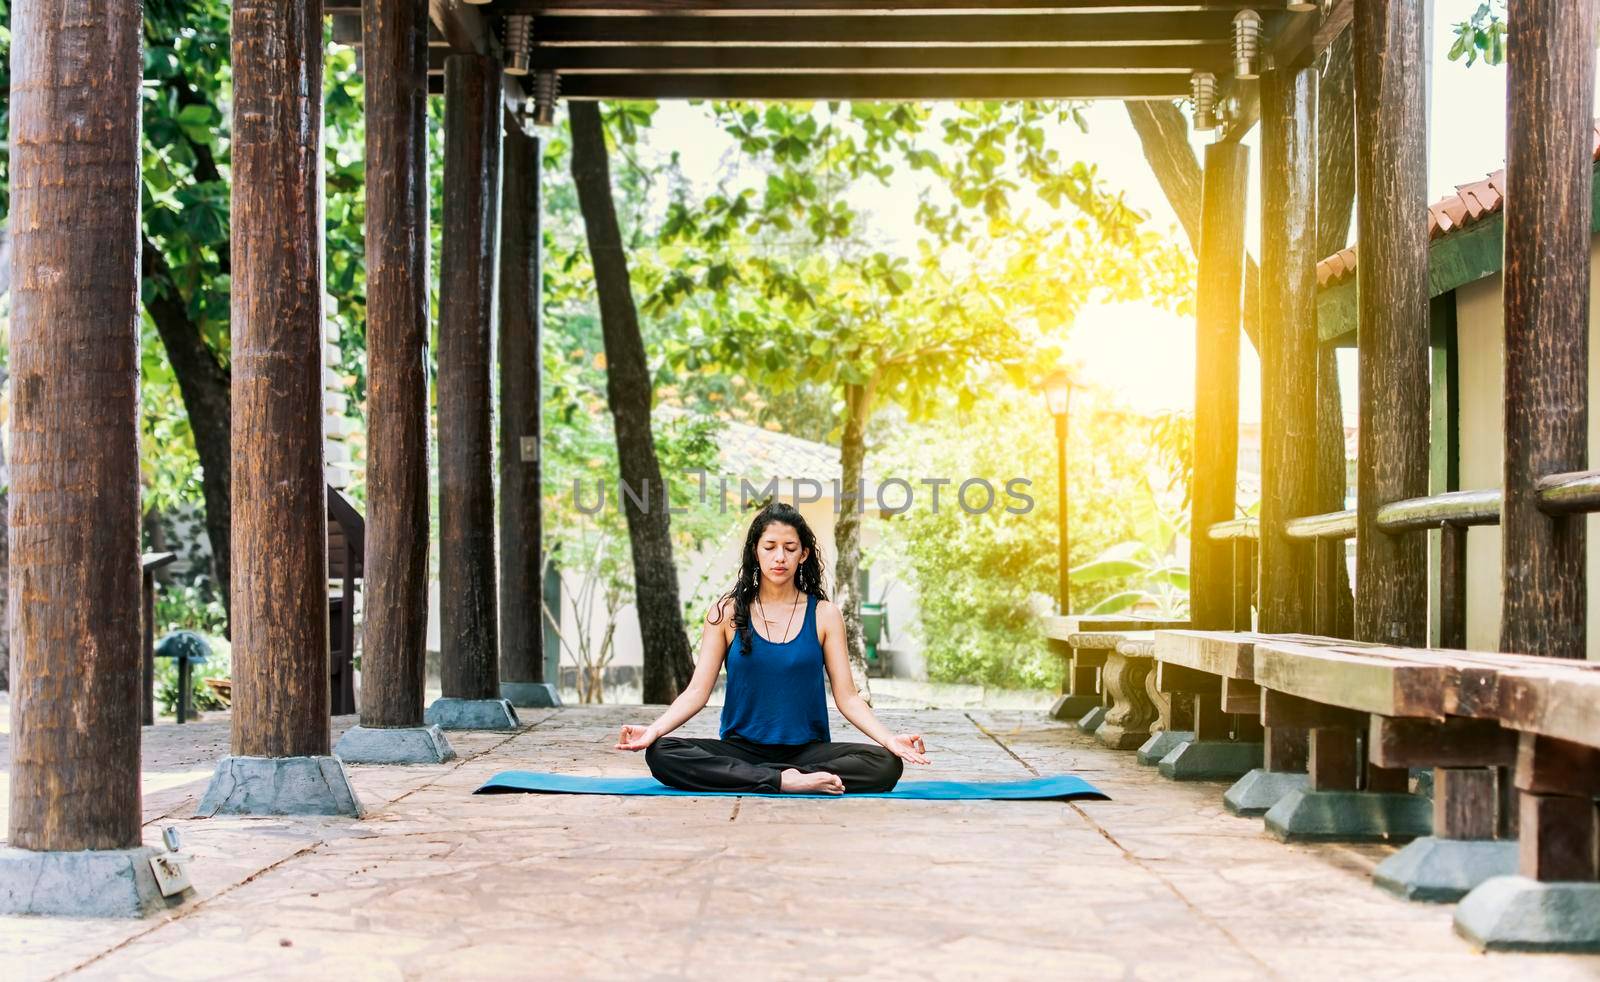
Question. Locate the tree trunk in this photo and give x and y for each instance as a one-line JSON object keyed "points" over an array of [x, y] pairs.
{"points": [[1336, 198], [667, 662], [394, 665], [74, 501], [521, 515], [847, 532], [1164, 135], [280, 506], [204, 384], [470, 667]]}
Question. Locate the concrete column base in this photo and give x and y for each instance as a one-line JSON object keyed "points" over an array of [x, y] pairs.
{"points": [[280, 786], [1256, 792], [1514, 913], [1442, 871], [394, 745], [1349, 816], [1211, 760], [530, 695], [1092, 719], [471, 714], [90, 883], [1069, 708], [1161, 744]]}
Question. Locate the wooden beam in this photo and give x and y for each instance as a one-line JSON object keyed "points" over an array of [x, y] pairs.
{"points": [[74, 361], [1427, 743], [875, 87], [1392, 590], [1280, 710], [473, 124], [605, 59], [521, 509], [1550, 74], [1288, 334], [394, 650], [280, 509], [1021, 30], [1216, 374], [835, 8], [463, 26]]}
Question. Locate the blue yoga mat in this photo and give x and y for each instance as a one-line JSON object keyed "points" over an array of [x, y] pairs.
{"points": [[1062, 787]]}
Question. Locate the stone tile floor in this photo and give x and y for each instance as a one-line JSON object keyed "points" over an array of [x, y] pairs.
{"points": [[1159, 883]]}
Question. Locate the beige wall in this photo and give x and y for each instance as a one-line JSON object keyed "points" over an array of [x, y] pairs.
{"points": [[1479, 330]]}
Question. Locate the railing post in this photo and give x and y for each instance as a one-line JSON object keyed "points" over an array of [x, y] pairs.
{"points": [[1288, 343], [1549, 172], [1392, 325], [1216, 390]]}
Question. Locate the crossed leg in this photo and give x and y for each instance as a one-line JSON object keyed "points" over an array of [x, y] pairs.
{"points": [[700, 764]]}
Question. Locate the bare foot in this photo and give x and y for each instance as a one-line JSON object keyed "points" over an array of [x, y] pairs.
{"points": [[820, 782]]}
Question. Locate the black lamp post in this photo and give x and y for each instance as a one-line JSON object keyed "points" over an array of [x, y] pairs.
{"points": [[1058, 396]]}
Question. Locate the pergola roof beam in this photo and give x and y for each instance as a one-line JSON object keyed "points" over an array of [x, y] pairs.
{"points": [[572, 61], [924, 86]]}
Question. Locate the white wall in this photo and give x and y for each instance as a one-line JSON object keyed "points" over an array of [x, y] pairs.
{"points": [[1480, 325]]}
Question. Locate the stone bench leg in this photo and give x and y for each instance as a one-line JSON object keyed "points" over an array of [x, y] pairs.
{"points": [[1334, 808], [1092, 661], [1080, 690], [1282, 771], [1174, 725], [1127, 722], [1550, 905], [1213, 754], [1463, 850]]}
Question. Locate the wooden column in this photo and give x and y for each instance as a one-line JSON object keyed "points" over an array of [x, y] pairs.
{"points": [[1392, 324], [395, 46], [1216, 385], [1549, 145], [521, 515], [1288, 344], [74, 498], [280, 508], [472, 121]]}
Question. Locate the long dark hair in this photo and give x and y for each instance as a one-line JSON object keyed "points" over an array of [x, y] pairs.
{"points": [[807, 577]]}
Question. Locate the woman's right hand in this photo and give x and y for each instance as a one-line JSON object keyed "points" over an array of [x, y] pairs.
{"points": [[636, 737]]}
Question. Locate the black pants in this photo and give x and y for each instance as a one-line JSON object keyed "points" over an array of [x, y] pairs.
{"points": [[693, 764]]}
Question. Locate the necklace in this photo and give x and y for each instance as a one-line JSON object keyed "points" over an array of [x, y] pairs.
{"points": [[770, 621]]}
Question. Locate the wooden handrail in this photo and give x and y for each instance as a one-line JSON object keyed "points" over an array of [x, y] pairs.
{"points": [[1239, 528], [1332, 525], [1438, 510], [1569, 494]]}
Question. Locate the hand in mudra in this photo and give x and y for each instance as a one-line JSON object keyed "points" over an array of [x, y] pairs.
{"points": [[909, 747], [636, 737]]}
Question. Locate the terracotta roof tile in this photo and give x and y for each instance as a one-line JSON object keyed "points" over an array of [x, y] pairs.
{"points": [[1468, 206]]}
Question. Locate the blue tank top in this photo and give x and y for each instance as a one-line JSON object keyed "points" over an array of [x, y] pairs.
{"points": [[775, 694]]}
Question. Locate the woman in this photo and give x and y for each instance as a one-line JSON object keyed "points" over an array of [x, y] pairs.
{"points": [[777, 632]]}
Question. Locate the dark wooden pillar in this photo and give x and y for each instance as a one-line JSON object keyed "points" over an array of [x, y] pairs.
{"points": [[1288, 344], [395, 45], [1549, 163], [1392, 325], [521, 518], [472, 121], [280, 508], [74, 498], [1216, 382]]}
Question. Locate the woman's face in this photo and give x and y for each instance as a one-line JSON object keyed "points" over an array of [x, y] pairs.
{"points": [[778, 552]]}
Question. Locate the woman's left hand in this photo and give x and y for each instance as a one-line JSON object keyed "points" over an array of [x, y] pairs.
{"points": [[909, 747]]}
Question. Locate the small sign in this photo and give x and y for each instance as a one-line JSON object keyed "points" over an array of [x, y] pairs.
{"points": [[530, 450], [171, 876]]}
